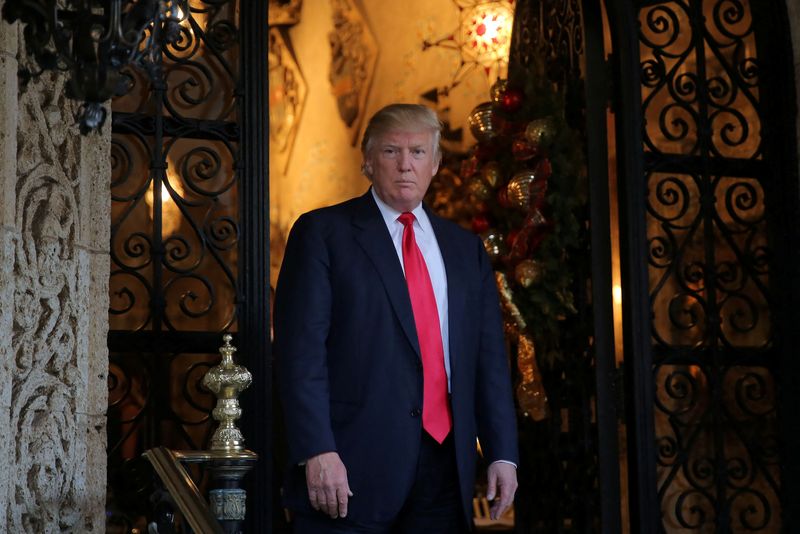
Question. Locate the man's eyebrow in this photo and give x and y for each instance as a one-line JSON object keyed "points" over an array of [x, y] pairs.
{"points": [[422, 146]]}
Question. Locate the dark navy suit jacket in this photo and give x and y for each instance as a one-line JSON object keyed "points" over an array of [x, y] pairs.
{"points": [[349, 369]]}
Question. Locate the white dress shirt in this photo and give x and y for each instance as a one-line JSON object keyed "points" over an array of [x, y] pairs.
{"points": [[429, 247], [426, 241]]}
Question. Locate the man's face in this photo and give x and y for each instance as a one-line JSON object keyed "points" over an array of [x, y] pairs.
{"points": [[402, 164]]}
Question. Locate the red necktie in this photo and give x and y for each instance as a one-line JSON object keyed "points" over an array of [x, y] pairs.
{"points": [[436, 418]]}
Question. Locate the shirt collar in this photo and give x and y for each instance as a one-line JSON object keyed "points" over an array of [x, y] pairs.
{"points": [[390, 214]]}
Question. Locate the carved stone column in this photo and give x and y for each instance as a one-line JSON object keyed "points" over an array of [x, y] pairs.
{"points": [[54, 262]]}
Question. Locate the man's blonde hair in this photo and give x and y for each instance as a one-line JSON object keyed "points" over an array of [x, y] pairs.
{"points": [[402, 117]]}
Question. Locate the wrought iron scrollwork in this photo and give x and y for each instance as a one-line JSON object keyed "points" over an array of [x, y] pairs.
{"points": [[709, 267], [198, 238], [202, 65], [700, 76], [554, 31], [175, 236]]}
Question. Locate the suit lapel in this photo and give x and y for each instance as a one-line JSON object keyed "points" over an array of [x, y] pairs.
{"points": [[456, 295], [373, 237]]}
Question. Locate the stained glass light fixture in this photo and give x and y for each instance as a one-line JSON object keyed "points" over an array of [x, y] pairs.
{"points": [[485, 32], [483, 38]]}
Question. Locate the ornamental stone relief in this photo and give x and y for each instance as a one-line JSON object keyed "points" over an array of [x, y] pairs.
{"points": [[55, 480], [47, 310]]}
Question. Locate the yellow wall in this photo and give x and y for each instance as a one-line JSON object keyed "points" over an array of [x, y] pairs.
{"points": [[324, 166]]}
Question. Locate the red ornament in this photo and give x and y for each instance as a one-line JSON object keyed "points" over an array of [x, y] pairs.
{"points": [[512, 100], [480, 223], [522, 149], [486, 151], [520, 248], [502, 198], [468, 167]]}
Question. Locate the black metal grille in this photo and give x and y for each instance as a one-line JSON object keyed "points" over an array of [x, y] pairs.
{"points": [[709, 268], [192, 260], [175, 244]]}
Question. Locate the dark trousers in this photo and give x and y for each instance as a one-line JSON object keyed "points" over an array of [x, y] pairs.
{"points": [[432, 507]]}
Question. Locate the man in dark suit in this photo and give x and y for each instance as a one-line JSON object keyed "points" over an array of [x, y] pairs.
{"points": [[390, 353]]}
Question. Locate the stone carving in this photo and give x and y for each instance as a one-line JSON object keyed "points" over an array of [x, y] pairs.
{"points": [[49, 413], [47, 310]]}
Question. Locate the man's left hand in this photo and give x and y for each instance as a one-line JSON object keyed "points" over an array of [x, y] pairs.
{"points": [[503, 477]]}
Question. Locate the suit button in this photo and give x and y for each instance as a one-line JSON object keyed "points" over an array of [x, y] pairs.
{"points": [[416, 412]]}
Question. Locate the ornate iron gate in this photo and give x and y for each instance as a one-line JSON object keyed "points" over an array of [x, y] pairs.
{"points": [[188, 241], [704, 227], [707, 260]]}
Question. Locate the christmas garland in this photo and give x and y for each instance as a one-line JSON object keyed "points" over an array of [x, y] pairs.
{"points": [[522, 187]]}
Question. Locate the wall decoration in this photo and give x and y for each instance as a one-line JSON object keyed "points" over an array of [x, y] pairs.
{"points": [[284, 12], [354, 54], [287, 96]]}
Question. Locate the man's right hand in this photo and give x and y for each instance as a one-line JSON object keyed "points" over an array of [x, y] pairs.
{"points": [[328, 490]]}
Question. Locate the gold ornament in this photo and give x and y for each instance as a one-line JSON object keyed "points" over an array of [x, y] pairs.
{"points": [[531, 394], [540, 131], [478, 189], [497, 91], [495, 244], [481, 122], [491, 173], [507, 302], [528, 272], [520, 189]]}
